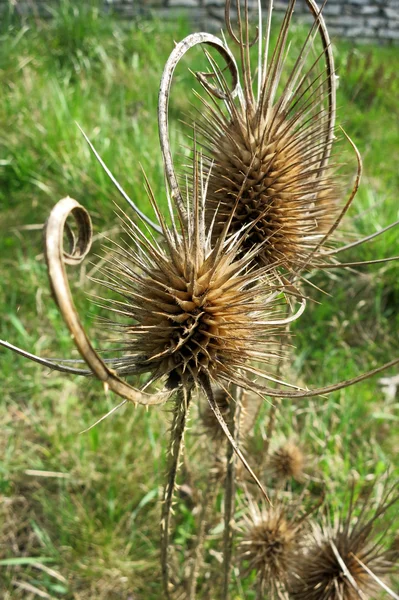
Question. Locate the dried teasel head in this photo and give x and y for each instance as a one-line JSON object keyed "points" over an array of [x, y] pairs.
{"points": [[189, 311], [270, 147], [346, 559], [267, 152], [287, 462], [270, 541]]}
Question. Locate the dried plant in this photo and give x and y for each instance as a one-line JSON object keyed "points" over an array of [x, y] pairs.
{"points": [[270, 541], [287, 462], [203, 295], [346, 559]]}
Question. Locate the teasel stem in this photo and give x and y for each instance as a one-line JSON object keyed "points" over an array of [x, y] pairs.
{"points": [[260, 589], [276, 403], [206, 503], [230, 491], [57, 257], [180, 412]]}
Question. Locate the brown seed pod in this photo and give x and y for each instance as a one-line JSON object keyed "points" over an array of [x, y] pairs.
{"points": [[346, 559]]}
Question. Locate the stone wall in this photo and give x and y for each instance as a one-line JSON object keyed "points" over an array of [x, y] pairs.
{"points": [[359, 20]]}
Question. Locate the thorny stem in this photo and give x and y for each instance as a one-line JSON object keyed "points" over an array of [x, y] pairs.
{"points": [[275, 406], [207, 499], [229, 498], [180, 412]]}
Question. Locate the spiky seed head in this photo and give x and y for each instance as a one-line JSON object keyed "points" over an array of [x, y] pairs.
{"points": [[270, 170], [268, 155], [287, 462], [270, 540], [344, 559], [191, 308]]}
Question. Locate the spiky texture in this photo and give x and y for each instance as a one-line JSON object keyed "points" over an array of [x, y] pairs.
{"points": [[345, 559], [191, 308], [287, 462], [269, 545], [268, 154]]}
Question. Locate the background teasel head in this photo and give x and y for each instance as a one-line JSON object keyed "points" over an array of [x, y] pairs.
{"points": [[287, 462], [271, 539], [267, 151], [346, 558]]}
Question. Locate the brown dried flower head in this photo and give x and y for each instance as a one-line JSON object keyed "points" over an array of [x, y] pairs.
{"points": [[287, 462], [346, 560], [271, 538], [191, 310], [268, 150]]}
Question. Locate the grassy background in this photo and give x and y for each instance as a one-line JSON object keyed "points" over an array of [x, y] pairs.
{"points": [[79, 513]]}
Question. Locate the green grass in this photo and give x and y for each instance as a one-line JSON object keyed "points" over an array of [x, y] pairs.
{"points": [[79, 514]]}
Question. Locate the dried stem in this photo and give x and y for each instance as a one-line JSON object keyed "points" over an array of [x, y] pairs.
{"points": [[180, 412], [274, 407], [229, 498], [260, 589], [206, 503], [163, 101]]}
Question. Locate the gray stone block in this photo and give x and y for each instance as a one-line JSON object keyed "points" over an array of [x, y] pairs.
{"points": [[355, 32], [346, 21], [332, 9], [391, 13], [369, 10], [376, 22], [184, 3], [357, 2], [389, 34]]}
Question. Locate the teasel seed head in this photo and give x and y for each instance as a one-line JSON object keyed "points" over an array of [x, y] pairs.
{"points": [[270, 540], [191, 310], [268, 152], [287, 462], [345, 559]]}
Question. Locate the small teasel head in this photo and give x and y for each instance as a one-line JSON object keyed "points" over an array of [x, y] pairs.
{"points": [[270, 541], [345, 558], [287, 462]]}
